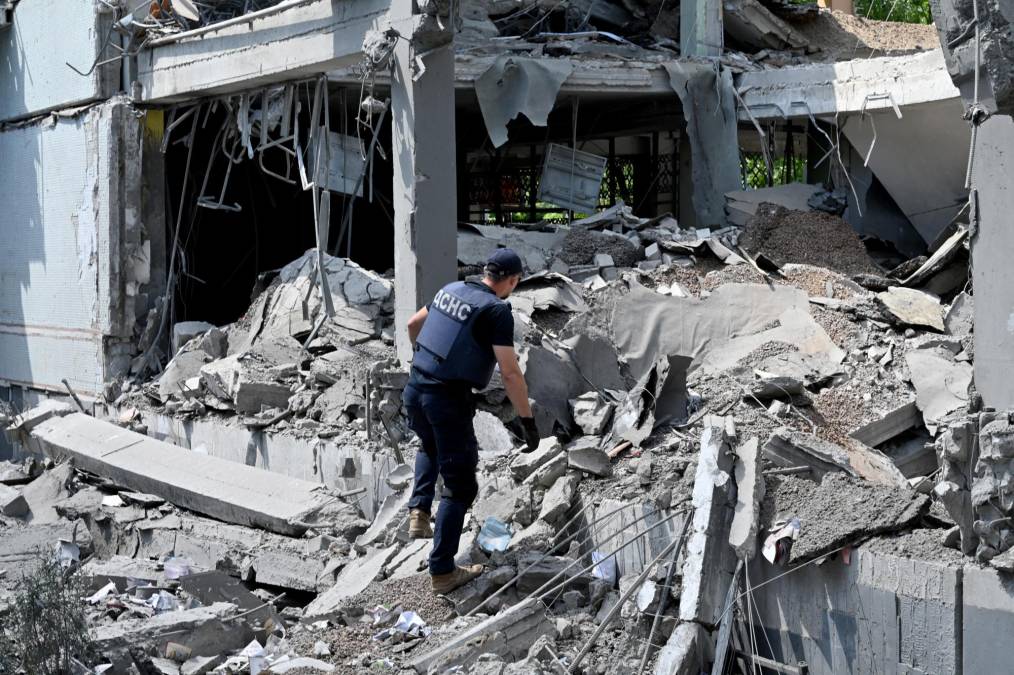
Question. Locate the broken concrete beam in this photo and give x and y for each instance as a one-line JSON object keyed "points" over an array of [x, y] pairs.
{"points": [[910, 307], [749, 493], [33, 417], [891, 424], [590, 460], [797, 448], [215, 487], [680, 656], [520, 626], [708, 560], [525, 463], [205, 631], [352, 580], [11, 502]]}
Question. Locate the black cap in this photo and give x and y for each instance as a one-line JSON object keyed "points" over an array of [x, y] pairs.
{"points": [[505, 261]]}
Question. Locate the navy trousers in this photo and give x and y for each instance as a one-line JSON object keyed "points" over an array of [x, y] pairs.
{"points": [[442, 418]]}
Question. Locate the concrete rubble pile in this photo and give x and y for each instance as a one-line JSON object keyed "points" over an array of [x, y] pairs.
{"points": [[286, 364], [702, 395]]}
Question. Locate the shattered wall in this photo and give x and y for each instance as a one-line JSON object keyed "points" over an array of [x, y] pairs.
{"points": [[75, 262], [35, 49]]}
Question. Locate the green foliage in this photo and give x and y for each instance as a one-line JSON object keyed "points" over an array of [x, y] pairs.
{"points": [[904, 11], [46, 626], [755, 170]]}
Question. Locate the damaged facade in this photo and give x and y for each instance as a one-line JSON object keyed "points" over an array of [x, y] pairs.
{"points": [[764, 326]]}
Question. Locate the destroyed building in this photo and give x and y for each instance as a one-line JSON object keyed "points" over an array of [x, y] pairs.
{"points": [[765, 326]]}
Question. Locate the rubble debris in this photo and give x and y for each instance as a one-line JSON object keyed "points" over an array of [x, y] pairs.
{"points": [[201, 631], [910, 307], [12, 503], [839, 511], [941, 383], [516, 629], [810, 237], [356, 576]]}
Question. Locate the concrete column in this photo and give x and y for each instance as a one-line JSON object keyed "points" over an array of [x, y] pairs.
{"points": [[701, 28], [425, 197], [991, 254]]}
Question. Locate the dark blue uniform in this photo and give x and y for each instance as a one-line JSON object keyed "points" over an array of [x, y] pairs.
{"points": [[454, 353]]}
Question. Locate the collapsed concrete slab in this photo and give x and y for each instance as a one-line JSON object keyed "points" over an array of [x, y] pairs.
{"points": [[204, 631], [218, 488], [839, 511], [797, 448]]}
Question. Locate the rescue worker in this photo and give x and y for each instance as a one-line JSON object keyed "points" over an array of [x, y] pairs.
{"points": [[459, 338]]}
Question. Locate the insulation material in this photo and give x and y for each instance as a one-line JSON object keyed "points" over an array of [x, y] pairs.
{"points": [[44, 37], [515, 85], [710, 111]]}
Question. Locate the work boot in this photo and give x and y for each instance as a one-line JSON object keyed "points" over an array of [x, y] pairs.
{"points": [[419, 525], [445, 583]]}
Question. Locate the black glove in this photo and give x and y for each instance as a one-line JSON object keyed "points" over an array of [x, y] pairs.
{"points": [[531, 434]]}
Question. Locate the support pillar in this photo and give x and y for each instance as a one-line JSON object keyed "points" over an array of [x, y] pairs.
{"points": [[701, 28], [992, 242], [425, 190]]}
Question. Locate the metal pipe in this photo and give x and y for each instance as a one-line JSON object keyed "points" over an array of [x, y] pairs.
{"points": [[539, 591], [555, 547], [619, 605], [665, 595]]}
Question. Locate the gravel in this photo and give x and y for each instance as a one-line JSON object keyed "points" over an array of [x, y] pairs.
{"points": [[352, 645], [843, 37], [808, 237], [580, 247]]}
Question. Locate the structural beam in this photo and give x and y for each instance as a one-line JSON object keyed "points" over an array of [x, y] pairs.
{"points": [[304, 38], [845, 87], [425, 179]]}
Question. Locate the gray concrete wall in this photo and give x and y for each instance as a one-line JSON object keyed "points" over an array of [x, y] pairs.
{"points": [[992, 249], [307, 459], [74, 264], [920, 159], [35, 49], [880, 614], [988, 621]]}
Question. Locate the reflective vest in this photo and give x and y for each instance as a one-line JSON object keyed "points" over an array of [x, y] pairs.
{"points": [[446, 348]]}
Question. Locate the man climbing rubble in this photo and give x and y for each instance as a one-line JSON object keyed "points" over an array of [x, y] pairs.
{"points": [[459, 338]]}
